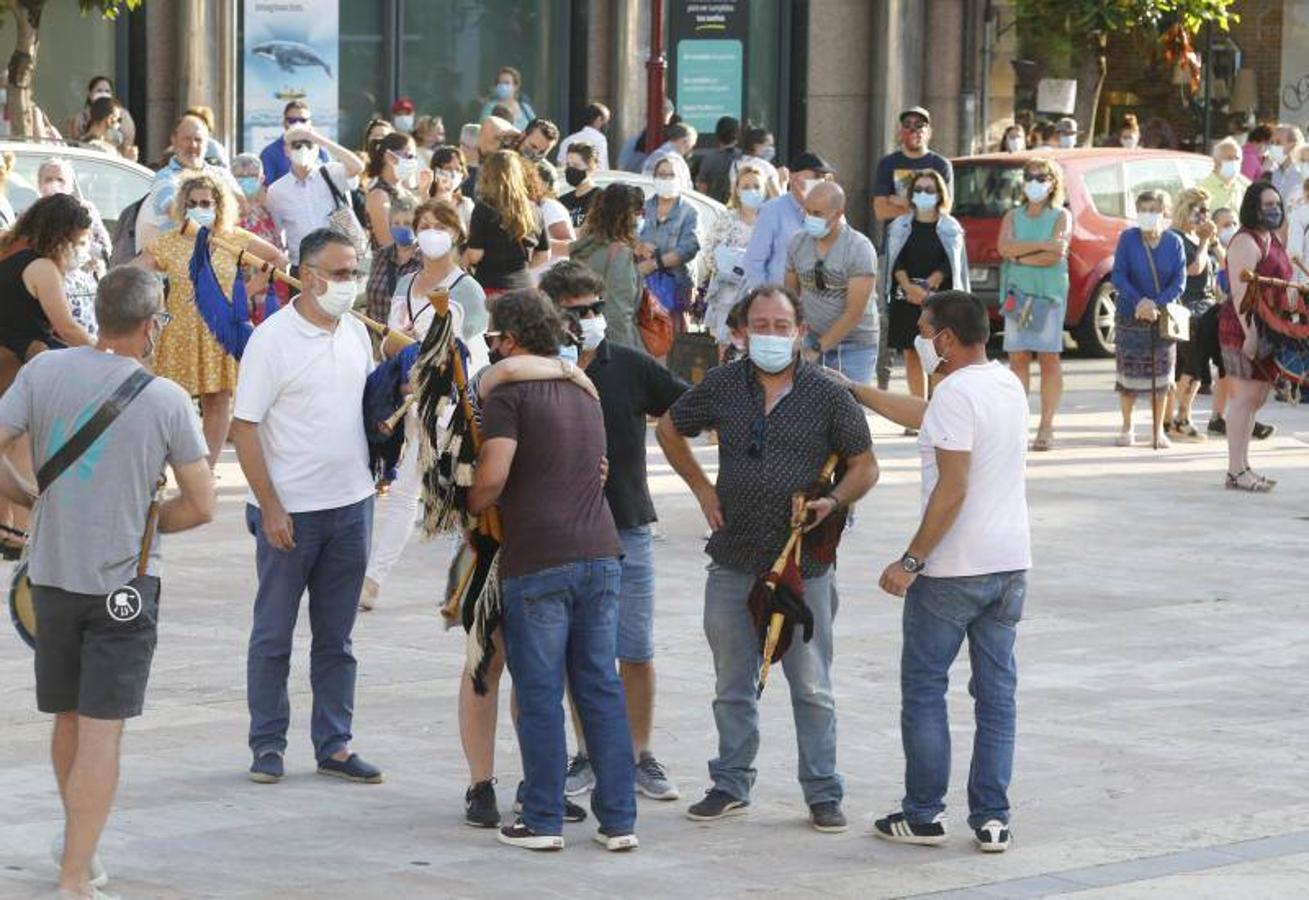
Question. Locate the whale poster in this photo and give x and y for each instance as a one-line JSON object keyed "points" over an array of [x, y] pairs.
{"points": [[291, 52]]}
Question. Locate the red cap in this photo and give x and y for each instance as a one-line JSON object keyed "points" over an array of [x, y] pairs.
{"points": [[402, 105]]}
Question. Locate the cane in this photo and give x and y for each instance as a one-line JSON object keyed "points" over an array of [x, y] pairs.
{"points": [[1154, 388]]}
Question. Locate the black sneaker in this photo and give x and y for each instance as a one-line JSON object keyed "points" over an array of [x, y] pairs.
{"points": [[480, 808], [572, 812], [519, 835], [897, 828], [827, 817], [1217, 425], [717, 805], [1262, 432], [992, 837]]}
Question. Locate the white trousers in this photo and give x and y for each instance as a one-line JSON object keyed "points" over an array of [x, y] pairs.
{"points": [[394, 515]]}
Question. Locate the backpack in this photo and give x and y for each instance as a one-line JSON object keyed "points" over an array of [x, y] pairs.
{"points": [[124, 236]]}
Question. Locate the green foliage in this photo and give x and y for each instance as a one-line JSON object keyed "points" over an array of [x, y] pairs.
{"points": [[108, 9], [1094, 18]]}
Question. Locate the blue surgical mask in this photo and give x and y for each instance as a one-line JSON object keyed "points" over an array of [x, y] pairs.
{"points": [[568, 352], [924, 201], [640, 224], [249, 184], [767, 153], [402, 235], [752, 197], [200, 216], [816, 227], [504, 90], [772, 352]]}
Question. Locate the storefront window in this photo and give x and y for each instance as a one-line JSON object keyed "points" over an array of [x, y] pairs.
{"points": [[61, 77], [764, 64]]}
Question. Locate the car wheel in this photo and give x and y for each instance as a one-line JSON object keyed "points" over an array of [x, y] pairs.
{"points": [[1095, 333]]}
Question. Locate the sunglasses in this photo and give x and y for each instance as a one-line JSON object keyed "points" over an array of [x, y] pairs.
{"points": [[820, 281], [297, 120], [596, 309], [1037, 176], [758, 432], [300, 145], [490, 337]]}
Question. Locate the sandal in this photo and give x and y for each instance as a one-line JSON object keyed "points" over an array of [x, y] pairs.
{"points": [[1247, 481], [1044, 440]]}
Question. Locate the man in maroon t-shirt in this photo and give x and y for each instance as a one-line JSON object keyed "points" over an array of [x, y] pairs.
{"points": [[560, 579]]}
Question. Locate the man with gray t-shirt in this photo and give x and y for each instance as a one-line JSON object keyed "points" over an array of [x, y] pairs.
{"points": [[833, 269], [93, 654]]}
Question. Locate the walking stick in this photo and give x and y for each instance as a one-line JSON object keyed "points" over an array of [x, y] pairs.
{"points": [[1154, 390]]}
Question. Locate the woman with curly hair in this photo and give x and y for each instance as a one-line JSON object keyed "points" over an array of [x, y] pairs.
{"points": [[608, 247], [188, 353], [506, 236]]}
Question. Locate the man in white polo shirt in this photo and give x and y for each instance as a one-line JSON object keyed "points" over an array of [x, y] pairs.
{"points": [[965, 572], [301, 201], [299, 436]]}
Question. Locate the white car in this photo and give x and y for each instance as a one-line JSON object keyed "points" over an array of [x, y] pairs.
{"points": [[109, 182]]}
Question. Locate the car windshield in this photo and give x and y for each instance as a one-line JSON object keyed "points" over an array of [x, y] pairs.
{"points": [[987, 191], [108, 186]]}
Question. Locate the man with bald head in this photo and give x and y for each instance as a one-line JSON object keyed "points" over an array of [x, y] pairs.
{"points": [[190, 136], [833, 267]]}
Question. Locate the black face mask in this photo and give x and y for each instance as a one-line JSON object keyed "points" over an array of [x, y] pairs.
{"points": [[1271, 218], [495, 356], [574, 177]]}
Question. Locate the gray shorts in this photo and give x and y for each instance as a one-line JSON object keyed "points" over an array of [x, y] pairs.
{"points": [[87, 660]]}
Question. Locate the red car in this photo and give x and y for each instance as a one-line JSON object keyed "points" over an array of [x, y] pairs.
{"points": [[1100, 186]]}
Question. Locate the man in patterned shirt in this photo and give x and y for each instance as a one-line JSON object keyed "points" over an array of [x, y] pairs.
{"points": [[778, 419]]}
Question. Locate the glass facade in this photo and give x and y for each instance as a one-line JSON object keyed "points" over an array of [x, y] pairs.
{"points": [[364, 84]]}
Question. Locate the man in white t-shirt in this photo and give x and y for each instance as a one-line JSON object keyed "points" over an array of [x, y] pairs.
{"points": [[299, 436], [301, 201], [965, 572]]}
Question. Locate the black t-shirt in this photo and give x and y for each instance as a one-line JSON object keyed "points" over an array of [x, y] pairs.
{"points": [[924, 254], [632, 386], [895, 169], [1199, 288], [577, 206], [715, 172], [504, 263]]}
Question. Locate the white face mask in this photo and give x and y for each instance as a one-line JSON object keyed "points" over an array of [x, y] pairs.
{"points": [[337, 298], [808, 185], [593, 332], [666, 188], [1228, 169], [403, 123], [1127, 141], [1226, 233], [1067, 141], [1148, 221], [406, 168], [1014, 143], [434, 243], [1277, 153], [304, 157], [926, 349]]}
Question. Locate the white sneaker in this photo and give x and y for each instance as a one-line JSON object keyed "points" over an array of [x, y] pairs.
{"points": [[1125, 439], [617, 843], [992, 837], [98, 876]]}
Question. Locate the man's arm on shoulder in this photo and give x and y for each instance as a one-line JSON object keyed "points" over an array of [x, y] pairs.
{"points": [[494, 461], [195, 503]]}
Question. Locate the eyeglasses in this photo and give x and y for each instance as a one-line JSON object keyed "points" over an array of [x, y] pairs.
{"points": [[819, 281], [163, 318], [758, 432], [596, 308]]}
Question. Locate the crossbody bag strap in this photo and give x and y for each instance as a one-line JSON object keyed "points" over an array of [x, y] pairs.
{"points": [[1154, 273], [337, 197], [80, 442]]}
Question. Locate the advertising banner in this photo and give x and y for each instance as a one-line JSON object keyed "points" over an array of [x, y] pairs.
{"points": [[708, 39], [291, 51]]}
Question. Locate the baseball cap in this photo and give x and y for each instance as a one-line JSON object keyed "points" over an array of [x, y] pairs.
{"points": [[1067, 125], [916, 111], [402, 105], [813, 162]]}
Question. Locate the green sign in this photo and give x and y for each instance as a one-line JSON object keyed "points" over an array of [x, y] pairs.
{"points": [[710, 81]]}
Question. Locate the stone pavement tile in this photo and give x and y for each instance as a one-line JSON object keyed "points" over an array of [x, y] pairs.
{"points": [[1285, 876]]}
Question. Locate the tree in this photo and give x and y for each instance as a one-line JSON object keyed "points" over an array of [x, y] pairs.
{"points": [[22, 64], [1087, 24]]}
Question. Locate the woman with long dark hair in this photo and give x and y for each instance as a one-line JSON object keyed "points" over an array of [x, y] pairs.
{"points": [[608, 247], [393, 171]]}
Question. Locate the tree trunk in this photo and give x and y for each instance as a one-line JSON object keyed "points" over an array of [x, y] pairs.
{"points": [[22, 64], [1091, 68]]}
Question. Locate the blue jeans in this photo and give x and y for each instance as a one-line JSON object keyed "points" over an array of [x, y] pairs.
{"points": [[808, 667], [938, 612], [636, 596], [329, 558], [564, 620], [854, 361]]}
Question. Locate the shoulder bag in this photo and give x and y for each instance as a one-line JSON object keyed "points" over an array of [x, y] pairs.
{"points": [[1174, 322], [652, 320], [343, 219]]}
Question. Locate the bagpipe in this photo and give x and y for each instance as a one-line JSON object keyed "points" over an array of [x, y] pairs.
{"points": [[1278, 309]]}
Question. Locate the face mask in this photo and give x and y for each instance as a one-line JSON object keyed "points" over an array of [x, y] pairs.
{"points": [[752, 198], [114, 135], [772, 352], [1277, 153], [50, 188], [152, 340], [406, 168], [249, 184], [304, 157], [593, 332], [337, 298], [1226, 233], [1036, 191], [403, 123], [83, 254], [447, 179], [926, 349], [504, 90], [666, 188], [568, 352], [201, 217], [1067, 141], [1015, 144], [1148, 221], [1127, 141], [816, 226], [402, 235], [1228, 169], [808, 185], [1271, 218], [495, 354], [767, 153], [739, 344], [434, 242], [640, 224], [924, 200], [574, 177]]}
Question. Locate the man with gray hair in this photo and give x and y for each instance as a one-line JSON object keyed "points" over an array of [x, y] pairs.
{"points": [[1225, 184], [101, 430], [1281, 165]]}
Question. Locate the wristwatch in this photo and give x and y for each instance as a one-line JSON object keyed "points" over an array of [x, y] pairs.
{"points": [[912, 564]]}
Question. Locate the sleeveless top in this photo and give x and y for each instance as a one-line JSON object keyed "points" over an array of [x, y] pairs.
{"points": [[22, 320], [1273, 263], [1048, 282]]}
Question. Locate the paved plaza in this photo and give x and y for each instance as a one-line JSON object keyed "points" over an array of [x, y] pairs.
{"points": [[1163, 735]]}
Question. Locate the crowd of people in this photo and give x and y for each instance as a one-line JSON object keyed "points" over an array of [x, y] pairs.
{"points": [[549, 296]]}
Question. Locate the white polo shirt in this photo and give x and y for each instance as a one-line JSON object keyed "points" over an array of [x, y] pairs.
{"points": [[304, 387], [299, 206], [981, 410]]}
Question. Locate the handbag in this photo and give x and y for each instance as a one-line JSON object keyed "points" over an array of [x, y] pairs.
{"points": [[652, 321], [343, 219], [1174, 322]]}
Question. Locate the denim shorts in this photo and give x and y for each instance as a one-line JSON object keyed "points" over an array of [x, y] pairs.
{"points": [[855, 361], [636, 596]]}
